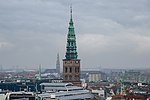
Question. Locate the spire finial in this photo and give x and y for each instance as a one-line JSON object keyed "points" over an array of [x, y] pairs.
{"points": [[71, 11]]}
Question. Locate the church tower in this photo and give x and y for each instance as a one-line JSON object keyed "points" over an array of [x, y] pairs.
{"points": [[71, 64], [58, 64]]}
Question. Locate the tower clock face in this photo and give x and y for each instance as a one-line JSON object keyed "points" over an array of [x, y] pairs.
{"points": [[77, 62]]}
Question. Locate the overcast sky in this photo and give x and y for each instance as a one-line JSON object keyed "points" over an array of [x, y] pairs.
{"points": [[110, 33]]}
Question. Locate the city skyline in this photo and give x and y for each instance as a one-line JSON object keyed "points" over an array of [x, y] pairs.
{"points": [[110, 34]]}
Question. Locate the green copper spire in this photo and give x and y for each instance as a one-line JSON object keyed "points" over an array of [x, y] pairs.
{"points": [[71, 52]]}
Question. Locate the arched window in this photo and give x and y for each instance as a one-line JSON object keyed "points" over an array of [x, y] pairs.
{"points": [[66, 70], [75, 69], [66, 77], [78, 69], [76, 77], [70, 77], [70, 69]]}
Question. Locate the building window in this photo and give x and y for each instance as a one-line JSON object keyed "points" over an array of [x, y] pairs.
{"points": [[70, 70], [75, 69], [76, 77], [66, 70], [66, 77], [78, 69], [70, 77]]}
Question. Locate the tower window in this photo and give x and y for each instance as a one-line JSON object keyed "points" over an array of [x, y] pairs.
{"points": [[70, 70], [66, 70], [75, 69], [76, 77], [70, 77], [66, 77], [78, 69]]}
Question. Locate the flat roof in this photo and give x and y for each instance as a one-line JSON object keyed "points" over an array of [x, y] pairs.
{"points": [[57, 84]]}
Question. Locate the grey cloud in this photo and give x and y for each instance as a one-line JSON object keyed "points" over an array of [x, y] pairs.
{"points": [[109, 32]]}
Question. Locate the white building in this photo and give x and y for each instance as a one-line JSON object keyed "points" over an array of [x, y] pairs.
{"points": [[94, 76]]}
